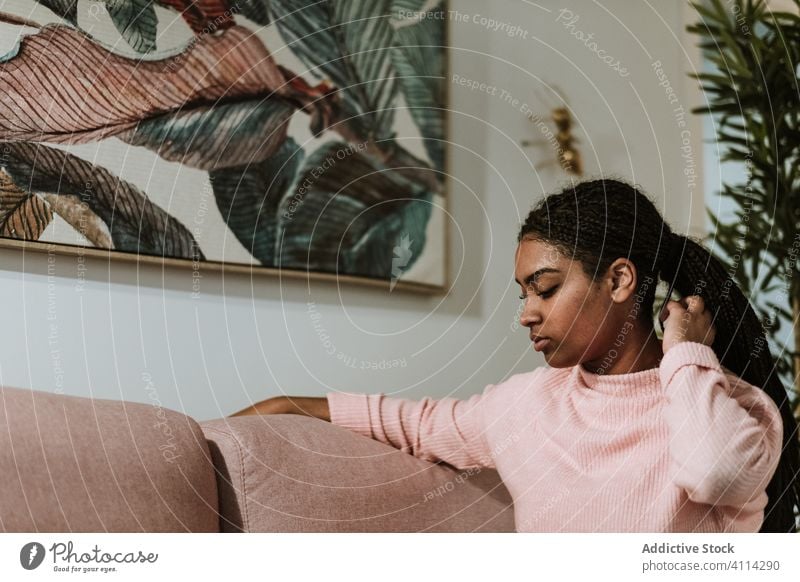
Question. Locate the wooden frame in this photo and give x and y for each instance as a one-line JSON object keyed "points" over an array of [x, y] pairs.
{"points": [[204, 265]]}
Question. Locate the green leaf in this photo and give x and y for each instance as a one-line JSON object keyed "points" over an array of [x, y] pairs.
{"points": [[216, 137], [136, 21], [66, 9], [248, 198], [349, 42], [719, 81], [773, 270], [724, 136], [418, 60], [710, 15], [726, 107], [780, 309], [349, 213], [404, 231]]}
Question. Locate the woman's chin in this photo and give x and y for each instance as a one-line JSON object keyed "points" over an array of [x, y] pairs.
{"points": [[555, 359], [549, 357]]}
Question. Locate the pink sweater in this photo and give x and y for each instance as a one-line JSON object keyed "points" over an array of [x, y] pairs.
{"points": [[685, 447]]}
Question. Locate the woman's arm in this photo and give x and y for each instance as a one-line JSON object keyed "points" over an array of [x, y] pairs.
{"points": [[449, 430], [306, 405], [724, 444]]}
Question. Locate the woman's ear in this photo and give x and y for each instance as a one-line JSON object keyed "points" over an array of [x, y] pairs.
{"points": [[622, 277]]}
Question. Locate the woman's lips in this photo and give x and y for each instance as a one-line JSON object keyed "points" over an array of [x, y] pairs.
{"points": [[539, 343]]}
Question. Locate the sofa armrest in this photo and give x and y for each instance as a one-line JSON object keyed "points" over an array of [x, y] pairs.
{"points": [[71, 464], [293, 473]]}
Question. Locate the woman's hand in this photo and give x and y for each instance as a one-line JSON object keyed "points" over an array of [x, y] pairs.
{"points": [[308, 406], [687, 320], [275, 405]]}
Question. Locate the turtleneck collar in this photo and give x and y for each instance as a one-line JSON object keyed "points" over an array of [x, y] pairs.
{"points": [[631, 384]]}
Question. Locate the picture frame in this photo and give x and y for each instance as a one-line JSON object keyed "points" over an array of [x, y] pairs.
{"points": [[243, 142]]}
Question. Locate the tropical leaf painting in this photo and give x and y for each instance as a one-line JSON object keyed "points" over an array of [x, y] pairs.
{"points": [[302, 135], [133, 222]]}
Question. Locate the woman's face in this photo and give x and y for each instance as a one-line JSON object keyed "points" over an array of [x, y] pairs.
{"points": [[564, 305]]}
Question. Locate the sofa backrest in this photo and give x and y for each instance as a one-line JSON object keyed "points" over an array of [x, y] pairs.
{"points": [[71, 464], [293, 473]]}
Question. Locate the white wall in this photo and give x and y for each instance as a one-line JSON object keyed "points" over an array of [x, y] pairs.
{"points": [[117, 331]]}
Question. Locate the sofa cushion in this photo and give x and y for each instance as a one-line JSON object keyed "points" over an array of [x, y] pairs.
{"points": [[293, 473], [70, 464]]}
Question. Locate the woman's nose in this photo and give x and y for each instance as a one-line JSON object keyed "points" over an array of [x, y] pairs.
{"points": [[529, 315]]}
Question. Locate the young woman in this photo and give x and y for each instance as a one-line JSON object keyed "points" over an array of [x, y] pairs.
{"points": [[691, 433]]}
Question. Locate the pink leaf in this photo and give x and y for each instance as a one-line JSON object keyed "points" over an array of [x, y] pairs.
{"points": [[61, 86], [64, 87]]}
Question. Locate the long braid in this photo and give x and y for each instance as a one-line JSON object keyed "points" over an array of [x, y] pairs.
{"points": [[598, 221]]}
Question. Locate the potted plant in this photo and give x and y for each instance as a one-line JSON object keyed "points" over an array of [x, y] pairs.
{"points": [[754, 98]]}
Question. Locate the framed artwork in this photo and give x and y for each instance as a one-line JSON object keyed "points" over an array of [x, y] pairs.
{"points": [[292, 137]]}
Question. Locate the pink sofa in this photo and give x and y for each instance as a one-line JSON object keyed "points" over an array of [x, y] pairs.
{"points": [[70, 464]]}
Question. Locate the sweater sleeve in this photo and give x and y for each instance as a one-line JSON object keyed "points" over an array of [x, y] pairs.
{"points": [[725, 442], [448, 429]]}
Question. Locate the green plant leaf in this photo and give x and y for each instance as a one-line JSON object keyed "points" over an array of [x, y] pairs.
{"points": [[418, 60], [348, 42], [66, 9], [780, 309], [743, 141], [136, 21], [248, 198], [216, 137], [348, 213]]}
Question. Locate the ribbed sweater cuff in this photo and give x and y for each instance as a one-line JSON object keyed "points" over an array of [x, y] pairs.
{"points": [[685, 354], [350, 411]]}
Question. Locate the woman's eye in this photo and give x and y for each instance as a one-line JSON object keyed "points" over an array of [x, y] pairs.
{"points": [[544, 294]]}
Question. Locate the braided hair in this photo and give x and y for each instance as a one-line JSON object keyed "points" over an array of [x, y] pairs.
{"points": [[597, 221]]}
